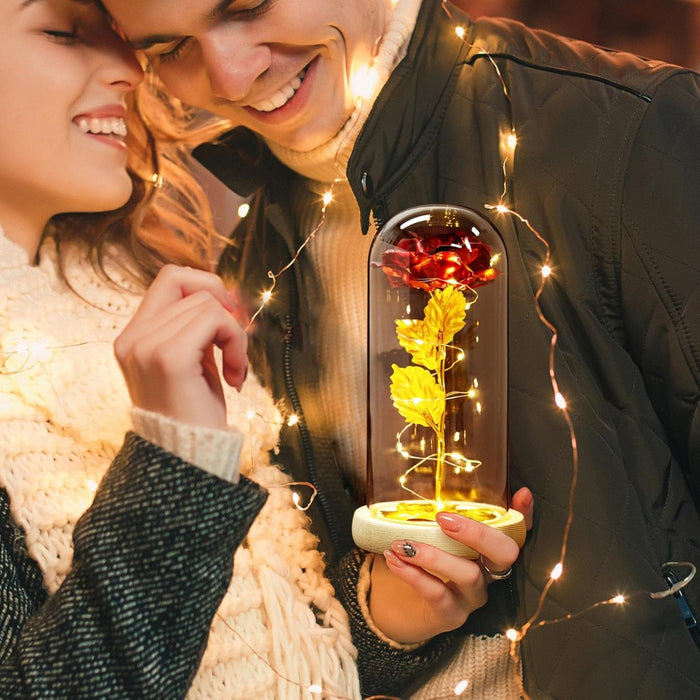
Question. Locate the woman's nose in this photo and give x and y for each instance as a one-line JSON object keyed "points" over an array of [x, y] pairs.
{"points": [[121, 68]]}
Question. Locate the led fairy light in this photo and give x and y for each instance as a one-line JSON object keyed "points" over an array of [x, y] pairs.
{"points": [[267, 294], [508, 144]]}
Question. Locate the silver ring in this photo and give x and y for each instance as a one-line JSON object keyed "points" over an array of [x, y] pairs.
{"points": [[496, 575]]}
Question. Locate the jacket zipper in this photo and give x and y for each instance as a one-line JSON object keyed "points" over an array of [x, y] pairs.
{"points": [[305, 436]]}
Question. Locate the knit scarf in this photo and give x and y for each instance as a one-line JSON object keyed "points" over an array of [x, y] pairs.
{"points": [[64, 410]]}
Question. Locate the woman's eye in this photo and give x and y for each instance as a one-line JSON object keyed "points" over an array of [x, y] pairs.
{"points": [[62, 35]]}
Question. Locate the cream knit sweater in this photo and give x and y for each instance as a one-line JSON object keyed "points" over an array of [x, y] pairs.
{"points": [[64, 410]]}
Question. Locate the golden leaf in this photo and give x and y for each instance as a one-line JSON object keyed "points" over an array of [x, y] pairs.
{"points": [[417, 396], [444, 314], [423, 348]]}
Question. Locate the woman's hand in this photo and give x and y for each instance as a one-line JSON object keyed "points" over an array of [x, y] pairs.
{"points": [[414, 597], [166, 352]]}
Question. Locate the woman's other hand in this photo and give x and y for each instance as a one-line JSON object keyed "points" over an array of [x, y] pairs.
{"points": [[166, 352], [420, 591]]}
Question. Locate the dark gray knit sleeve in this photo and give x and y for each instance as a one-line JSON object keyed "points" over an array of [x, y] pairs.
{"points": [[383, 669], [152, 560]]}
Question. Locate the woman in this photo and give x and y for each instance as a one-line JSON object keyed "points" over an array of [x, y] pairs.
{"points": [[116, 598]]}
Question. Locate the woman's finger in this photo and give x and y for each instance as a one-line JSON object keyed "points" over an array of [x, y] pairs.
{"points": [[497, 549], [174, 283], [524, 503]]}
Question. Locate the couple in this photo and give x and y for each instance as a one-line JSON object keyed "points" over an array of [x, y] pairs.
{"points": [[615, 194]]}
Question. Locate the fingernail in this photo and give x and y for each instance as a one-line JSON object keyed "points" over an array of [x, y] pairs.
{"points": [[392, 559], [404, 549], [449, 521]]}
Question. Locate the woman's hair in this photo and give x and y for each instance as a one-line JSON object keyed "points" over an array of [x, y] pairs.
{"points": [[167, 218]]}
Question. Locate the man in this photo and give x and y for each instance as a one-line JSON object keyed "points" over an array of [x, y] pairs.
{"points": [[605, 168]]}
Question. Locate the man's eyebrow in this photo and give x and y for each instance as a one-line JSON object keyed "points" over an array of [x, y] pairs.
{"points": [[152, 39], [27, 3]]}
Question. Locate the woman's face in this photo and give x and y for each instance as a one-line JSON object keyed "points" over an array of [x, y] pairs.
{"points": [[64, 75]]}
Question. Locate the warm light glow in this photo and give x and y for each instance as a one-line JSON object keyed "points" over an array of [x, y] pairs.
{"points": [[92, 485], [157, 180], [501, 208], [327, 198], [512, 141], [296, 498], [557, 572], [292, 420], [315, 688], [513, 635], [546, 271], [244, 210], [266, 296], [560, 401], [363, 82], [619, 600], [459, 31], [250, 415], [461, 687]]}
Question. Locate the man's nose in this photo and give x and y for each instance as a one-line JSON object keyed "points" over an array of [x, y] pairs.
{"points": [[233, 65]]}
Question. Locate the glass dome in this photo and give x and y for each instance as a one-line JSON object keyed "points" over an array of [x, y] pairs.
{"points": [[437, 375]]}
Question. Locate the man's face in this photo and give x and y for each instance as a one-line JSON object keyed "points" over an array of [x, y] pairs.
{"points": [[280, 67]]}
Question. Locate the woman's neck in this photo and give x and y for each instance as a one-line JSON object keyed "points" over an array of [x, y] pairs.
{"points": [[24, 230]]}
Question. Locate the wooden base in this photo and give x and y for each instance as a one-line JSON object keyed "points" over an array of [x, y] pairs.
{"points": [[375, 533]]}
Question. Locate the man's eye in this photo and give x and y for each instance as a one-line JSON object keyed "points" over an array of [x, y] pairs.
{"points": [[174, 52]]}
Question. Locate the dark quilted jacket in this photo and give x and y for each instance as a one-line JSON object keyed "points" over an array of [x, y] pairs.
{"points": [[153, 559], [607, 170]]}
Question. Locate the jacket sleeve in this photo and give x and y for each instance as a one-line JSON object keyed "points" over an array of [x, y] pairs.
{"points": [[152, 560], [660, 262], [385, 669]]}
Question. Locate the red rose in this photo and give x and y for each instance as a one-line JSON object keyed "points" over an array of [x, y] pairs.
{"points": [[453, 258]]}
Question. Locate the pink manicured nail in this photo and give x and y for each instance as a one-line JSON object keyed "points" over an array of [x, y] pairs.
{"points": [[392, 559], [449, 521]]}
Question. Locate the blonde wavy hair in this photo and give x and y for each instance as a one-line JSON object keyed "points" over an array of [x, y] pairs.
{"points": [[168, 218]]}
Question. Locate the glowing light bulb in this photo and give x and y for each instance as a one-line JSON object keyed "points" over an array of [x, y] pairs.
{"points": [[266, 296], [513, 635], [501, 208], [244, 210], [512, 141], [250, 415], [92, 485], [546, 271], [327, 198], [560, 401], [619, 600], [557, 571], [292, 420], [459, 31], [315, 688]]}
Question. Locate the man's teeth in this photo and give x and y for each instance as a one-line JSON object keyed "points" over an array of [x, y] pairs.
{"points": [[281, 97], [103, 125]]}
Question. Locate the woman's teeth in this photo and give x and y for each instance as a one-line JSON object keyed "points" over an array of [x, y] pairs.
{"points": [[281, 97], [111, 126]]}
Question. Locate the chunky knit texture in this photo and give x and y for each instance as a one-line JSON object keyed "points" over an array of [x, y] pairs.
{"points": [[64, 411]]}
